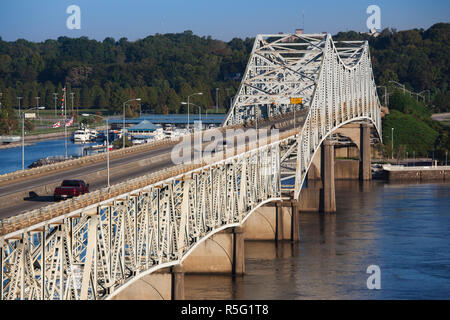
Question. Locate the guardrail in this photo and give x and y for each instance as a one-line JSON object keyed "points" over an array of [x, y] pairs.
{"points": [[47, 213]]}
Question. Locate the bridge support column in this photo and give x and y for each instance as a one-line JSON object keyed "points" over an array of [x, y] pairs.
{"points": [[365, 168], [279, 221], [177, 283], [295, 233], [238, 251], [222, 253], [328, 199]]}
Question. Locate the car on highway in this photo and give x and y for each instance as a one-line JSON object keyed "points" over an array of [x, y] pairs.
{"points": [[70, 189]]}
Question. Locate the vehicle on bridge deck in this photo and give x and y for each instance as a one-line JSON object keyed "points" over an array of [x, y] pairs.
{"points": [[70, 189]]}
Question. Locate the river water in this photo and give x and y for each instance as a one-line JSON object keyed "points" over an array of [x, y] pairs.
{"points": [[11, 159], [402, 228]]}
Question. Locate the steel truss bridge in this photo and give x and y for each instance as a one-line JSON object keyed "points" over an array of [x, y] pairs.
{"points": [[99, 247]]}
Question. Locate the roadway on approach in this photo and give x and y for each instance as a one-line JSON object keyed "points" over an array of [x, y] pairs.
{"points": [[135, 164]]}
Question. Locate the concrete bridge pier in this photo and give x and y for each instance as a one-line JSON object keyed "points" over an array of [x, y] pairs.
{"points": [[365, 163], [319, 195], [328, 195], [222, 253], [295, 228], [276, 221], [177, 283]]}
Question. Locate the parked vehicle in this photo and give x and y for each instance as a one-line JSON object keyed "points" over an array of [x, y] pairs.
{"points": [[70, 189]]}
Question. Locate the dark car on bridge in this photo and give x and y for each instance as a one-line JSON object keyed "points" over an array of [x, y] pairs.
{"points": [[70, 189]]}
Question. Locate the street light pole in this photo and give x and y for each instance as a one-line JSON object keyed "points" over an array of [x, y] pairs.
{"points": [[23, 134], [107, 149], [107, 142], [392, 143], [65, 124], [37, 106], [19, 98], [217, 100], [23, 140], [200, 113], [188, 104], [123, 127]]}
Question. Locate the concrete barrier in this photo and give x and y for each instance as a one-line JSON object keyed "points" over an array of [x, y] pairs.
{"points": [[400, 173]]}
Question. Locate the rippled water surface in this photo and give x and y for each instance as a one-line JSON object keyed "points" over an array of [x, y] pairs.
{"points": [[11, 159], [402, 228]]}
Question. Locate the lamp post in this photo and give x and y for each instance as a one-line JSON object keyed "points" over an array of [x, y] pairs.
{"points": [[19, 98], [217, 100], [107, 141], [195, 94], [392, 143], [23, 133], [65, 124], [37, 108], [123, 128], [199, 112]]}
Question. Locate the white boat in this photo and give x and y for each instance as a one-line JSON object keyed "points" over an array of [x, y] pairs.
{"points": [[82, 135], [9, 139], [94, 134]]}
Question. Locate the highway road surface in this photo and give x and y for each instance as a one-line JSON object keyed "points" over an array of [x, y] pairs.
{"points": [[136, 166]]}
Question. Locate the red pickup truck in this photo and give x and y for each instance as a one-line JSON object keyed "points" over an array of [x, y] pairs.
{"points": [[70, 189]]}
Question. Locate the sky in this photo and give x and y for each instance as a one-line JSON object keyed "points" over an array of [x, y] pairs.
{"points": [[39, 20]]}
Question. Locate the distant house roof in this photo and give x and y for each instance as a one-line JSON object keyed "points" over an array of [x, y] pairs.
{"points": [[144, 126]]}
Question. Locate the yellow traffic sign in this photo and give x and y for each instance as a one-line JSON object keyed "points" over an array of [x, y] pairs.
{"points": [[296, 100]]}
